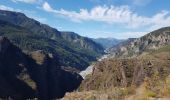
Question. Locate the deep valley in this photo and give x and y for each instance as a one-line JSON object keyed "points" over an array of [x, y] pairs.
{"points": [[39, 62]]}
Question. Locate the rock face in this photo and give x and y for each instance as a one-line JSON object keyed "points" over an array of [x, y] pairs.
{"points": [[82, 41], [32, 76], [134, 47]]}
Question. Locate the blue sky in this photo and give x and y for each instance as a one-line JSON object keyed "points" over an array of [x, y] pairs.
{"points": [[97, 18]]}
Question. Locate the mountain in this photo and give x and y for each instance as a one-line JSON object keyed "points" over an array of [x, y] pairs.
{"points": [[108, 42], [150, 42], [30, 35], [34, 75], [138, 70], [127, 72], [143, 78], [82, 41], [115, 48]]}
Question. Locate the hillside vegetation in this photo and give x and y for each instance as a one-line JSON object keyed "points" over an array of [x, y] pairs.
{"points": [[30, 35]]}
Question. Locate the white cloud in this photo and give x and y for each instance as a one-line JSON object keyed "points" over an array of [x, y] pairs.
{"points": [[3, 7], [47, 7], [114, 15], [161, 19], [27, 1]]}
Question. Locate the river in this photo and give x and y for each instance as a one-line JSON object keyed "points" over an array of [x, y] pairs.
{"points": [[89, 69]]}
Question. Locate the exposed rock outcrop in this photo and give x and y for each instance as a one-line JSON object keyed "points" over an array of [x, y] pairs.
{"points": [[135, 47]]}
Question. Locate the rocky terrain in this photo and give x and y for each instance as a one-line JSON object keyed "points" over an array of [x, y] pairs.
{"points": [[40, 62], [127, 72], [134, 47], [139, 70], [35, 75], [142, 78]]}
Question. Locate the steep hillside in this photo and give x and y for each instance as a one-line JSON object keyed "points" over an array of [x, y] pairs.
{"points": [[113, 49], [82, 41], [127, 72], [35, 75], [151, 41], [108, 42], [144, 78], [31, 35]]}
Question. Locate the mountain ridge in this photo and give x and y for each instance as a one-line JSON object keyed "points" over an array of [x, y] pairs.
{"points": [[29, 35], [108, 42], [151, 41]]}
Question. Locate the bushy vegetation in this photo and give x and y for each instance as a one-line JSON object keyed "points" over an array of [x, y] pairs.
{"points": [[162, 49], [143, 78]]}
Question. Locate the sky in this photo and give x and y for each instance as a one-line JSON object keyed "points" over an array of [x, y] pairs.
{"points": [[119, 19]]}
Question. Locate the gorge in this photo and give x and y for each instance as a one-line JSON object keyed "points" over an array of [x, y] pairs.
{"points": [[40, 62]]}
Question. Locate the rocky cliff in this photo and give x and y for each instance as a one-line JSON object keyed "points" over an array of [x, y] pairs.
{"points": [[134, 47]]}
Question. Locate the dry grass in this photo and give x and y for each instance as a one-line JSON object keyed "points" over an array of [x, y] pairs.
{"points": [[105, 83], [38, 56]]}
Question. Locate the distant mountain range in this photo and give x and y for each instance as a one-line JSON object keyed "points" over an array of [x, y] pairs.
{"points": [[108, 42], [68, 48]]}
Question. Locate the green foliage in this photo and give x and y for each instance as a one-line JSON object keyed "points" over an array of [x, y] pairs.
{"points": [[67, 53], [93, 98], [162, 49], [150, 94]]}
